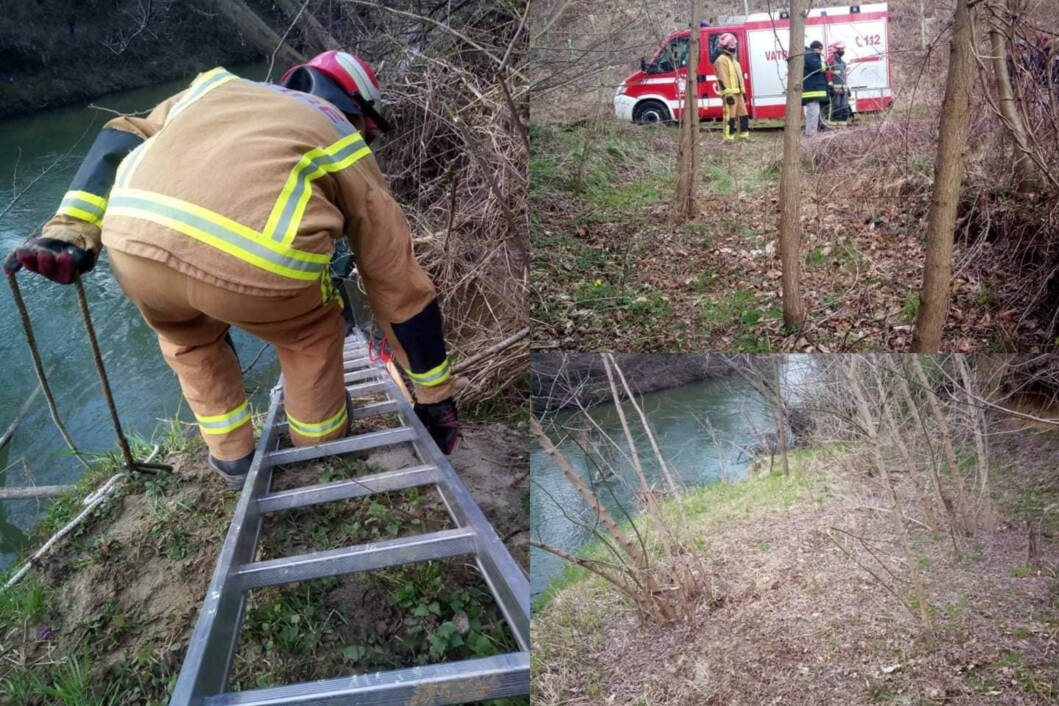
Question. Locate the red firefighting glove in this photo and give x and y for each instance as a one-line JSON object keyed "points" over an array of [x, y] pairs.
{"points": [[730, 99], [440, 420], [57, 260]]}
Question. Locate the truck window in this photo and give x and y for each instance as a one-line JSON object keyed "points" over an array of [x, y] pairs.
{"points": [[674, 56], [715, 48]]}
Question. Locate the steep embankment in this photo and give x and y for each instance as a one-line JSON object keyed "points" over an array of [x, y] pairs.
{"points": [[107, 615], [558, 381], [55, 52]]}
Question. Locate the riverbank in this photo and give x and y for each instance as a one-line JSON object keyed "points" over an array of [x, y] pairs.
{"points": [[567, 380], [106, 618], [790, 618]]}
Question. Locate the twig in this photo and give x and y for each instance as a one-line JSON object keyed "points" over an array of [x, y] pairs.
{"points": [[21, 413], [253, 362], [272, 58]]}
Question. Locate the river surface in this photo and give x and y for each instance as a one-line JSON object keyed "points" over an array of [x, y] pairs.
{"points": [[146, 391], [681, 419]]}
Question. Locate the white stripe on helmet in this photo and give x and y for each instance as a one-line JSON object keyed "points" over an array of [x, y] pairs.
{"points": [[365, 85]]}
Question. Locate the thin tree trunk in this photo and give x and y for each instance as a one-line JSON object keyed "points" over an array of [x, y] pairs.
{"points": [[790, 177], [984, 505], [963, 511], [1025, 170], [947, 505], [882, 465], [645, 488], [781, 415], [588, 496], [948, 176], [688, 152], [670, 482]]}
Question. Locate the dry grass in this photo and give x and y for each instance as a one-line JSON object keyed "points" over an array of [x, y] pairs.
{"points": [[800, 623], [454, 86]]}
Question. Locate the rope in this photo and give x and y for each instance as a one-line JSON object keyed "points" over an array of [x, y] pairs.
{"points": [[31, 340]]}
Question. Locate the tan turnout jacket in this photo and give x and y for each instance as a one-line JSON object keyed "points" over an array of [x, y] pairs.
{"points": [[245, 186]]}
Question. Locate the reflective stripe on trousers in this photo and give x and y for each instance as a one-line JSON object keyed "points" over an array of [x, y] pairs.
{"points": [[328, 426], [224, 423]]}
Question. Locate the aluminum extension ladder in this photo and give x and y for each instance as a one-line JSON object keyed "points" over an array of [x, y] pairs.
{"points": [[211, 650]]}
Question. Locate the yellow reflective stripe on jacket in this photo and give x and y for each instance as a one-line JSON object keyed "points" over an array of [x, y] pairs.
{"points": [[323, 428], [814, 94], [131, 161], [282, 224], [432, 377], [84, 206], [203, 84], [219, 231], [224, 423]]}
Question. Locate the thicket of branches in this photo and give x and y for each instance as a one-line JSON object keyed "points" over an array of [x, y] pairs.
{"points": [[454, 84]]}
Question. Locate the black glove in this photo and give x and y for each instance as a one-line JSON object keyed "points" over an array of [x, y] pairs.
{"points": [[440, 420], [729, 99], [57, 260]]}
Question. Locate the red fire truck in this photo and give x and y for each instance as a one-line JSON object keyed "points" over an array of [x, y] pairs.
{"points": [[655, 93]]}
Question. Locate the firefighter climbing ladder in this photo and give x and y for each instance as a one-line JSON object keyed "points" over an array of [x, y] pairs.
{"points": [[211, 650]]}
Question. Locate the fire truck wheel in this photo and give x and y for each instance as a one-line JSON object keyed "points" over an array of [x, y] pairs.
{"points": [[648, 112]]}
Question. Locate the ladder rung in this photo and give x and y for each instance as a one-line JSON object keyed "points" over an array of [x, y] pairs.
{"points": [[369, 388], [362, 557], [363, 374], [362, 412], [346, 489], [350, 362], [347, 445], [467, 680]]}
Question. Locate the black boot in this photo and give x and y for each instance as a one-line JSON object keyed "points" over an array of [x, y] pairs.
{"points": [[744, 126], [233, 472]]}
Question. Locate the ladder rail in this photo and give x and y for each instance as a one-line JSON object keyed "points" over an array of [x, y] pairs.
{"points": [[212, 647]]}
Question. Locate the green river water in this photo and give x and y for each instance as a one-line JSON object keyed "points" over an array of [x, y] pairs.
{"points": [[146, 391], [735, 411]]}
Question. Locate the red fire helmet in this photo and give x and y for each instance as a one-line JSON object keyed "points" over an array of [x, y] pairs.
{"points": [[352, 73]]}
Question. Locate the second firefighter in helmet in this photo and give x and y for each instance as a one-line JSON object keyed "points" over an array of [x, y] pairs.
{"points": [[221, 208], [733, 90], [837, 86]]}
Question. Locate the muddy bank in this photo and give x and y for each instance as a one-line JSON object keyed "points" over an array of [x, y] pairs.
{"points": [[559, 381], [118, 599]]}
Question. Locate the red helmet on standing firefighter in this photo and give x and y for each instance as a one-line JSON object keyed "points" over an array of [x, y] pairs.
{"points": [[727, 41], [836, 46], [352, 88]]}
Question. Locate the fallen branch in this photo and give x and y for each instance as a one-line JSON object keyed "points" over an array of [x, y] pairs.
{"points": [[91, 502], [34, 491], [491, 350]]}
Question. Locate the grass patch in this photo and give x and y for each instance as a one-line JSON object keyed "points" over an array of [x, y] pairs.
{"points": [[707, 507]]}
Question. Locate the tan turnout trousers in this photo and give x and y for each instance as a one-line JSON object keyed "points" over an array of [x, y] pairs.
{"points": [[191, 319]]}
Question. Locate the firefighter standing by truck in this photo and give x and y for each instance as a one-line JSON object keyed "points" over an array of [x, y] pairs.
{"points": [[221, 208], [733, 91], [837, 86], [814, 88]]}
